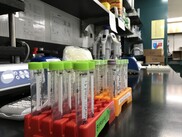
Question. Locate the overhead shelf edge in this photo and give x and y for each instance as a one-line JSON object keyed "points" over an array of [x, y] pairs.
{"points": [[11, 6], [82, 9]]}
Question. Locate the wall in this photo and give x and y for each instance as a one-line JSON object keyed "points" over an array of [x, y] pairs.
{"points": [[152, 10], [44, 23], [175, 42], [175, 9]]}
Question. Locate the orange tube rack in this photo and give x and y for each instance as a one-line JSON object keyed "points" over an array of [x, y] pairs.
{"points": [[125, 96]]}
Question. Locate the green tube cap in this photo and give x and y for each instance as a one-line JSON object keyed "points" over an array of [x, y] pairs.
{"points": [[97, 62], [118, 62], [105, 62], [68, 65], [126, 61], [81, 66], [91, 65], [45, 65], [35, 66], [56, 65]]}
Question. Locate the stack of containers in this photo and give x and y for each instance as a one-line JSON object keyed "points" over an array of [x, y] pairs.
{"points": [[36, 87], [57, 73], [106, 4], [63, 84], [118, 4], [48, 87]]}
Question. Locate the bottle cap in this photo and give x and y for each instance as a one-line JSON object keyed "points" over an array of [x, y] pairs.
{"points": [[35, 65], [81, 65], [91, 65], [68, 65], [97, 62], [45, 65], [111, 62], [105, 62], [56, 65]]}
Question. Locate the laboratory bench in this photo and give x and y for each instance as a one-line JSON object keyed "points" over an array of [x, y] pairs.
{"points": [[155, 111]]}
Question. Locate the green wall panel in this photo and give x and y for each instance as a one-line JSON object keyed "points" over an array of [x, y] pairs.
{"points": [[152, 10]]}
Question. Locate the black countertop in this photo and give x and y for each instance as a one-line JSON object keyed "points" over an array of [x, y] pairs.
{"points": [[156, 110]]}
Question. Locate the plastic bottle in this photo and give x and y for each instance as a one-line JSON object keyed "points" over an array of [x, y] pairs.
{"points": [[46, 87], [81, 87], [36, 86], [68, 87], [91, 89], [57, 72]]}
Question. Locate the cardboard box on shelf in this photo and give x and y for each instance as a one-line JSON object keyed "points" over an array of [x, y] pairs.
{"points": [[153, 52], [150, 59], [177, 55]]}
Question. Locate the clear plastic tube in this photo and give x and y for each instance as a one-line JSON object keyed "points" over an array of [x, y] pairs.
{"points": [[46, 87], [97, 77], [112, 78], [36, 86], [122, 75], [126, 73], [105, 76], [91, 89], [101, 69], [118, 77], [68, 87], [82, 89], [57, 72]]}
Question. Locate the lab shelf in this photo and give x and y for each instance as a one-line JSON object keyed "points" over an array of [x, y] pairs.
{"points": [[127, 6], [135, 19], [122, 33], [11, 6], [82, 9], [135, 40]]}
